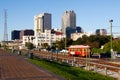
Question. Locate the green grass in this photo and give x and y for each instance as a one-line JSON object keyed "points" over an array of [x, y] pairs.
{"points": [[68, 72]]}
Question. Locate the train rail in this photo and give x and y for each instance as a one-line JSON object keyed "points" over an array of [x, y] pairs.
{"points": [[92, 64]]}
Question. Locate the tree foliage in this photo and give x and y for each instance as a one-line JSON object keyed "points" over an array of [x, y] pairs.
{"points": [[61, 44], [29, 45], [44, 45], [116, 46], [94, 41], [0, 45]]}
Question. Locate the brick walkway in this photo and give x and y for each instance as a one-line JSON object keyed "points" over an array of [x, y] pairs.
{"points": [[16, 68]]}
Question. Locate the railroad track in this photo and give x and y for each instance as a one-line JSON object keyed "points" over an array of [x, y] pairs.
{"points": [[101, 63], [97, 65]]}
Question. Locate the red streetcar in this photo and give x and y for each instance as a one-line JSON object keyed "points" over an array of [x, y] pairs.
{"points": [[79, 50]]}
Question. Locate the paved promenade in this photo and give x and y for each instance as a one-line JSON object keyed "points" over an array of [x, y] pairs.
{"points": [[17, 68]]}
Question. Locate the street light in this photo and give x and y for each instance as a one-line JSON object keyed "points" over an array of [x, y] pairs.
{"points": [[111, 50]]}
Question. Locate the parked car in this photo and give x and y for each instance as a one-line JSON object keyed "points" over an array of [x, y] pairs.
{"points": [[117, 54], [64, 51]]}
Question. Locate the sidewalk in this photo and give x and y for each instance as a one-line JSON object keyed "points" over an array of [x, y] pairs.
{"points": [[16, 68]]}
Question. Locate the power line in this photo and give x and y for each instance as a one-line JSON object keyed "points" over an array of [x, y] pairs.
{"points": [[115, 33]]}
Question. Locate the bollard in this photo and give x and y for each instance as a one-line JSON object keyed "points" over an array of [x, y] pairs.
{"points": [[12, 50], [19, 52], [88, 68], [72, 63], [67, 61], [30, 55], [51, 56], [119, 75], [62, 60], [99, 56], [74, 59], [105, 71], [77, 65], [94, 68]]}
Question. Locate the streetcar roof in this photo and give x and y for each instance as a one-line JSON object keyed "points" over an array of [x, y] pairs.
{"points": [[79, 46]]}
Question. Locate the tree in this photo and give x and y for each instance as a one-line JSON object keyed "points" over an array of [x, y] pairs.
{"points": [[116, 46], [69, 42], [5, 46], [29, 45], [96, 41], [60, 44], [44, 45]]}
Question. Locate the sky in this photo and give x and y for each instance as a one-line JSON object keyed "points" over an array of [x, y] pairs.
{"points": [[90, 14]]}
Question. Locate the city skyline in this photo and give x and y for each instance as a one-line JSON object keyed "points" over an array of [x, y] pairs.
{"points": [[90, 15]]}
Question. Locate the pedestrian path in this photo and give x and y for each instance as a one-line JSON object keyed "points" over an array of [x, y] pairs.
{"points": [[16, 68]]}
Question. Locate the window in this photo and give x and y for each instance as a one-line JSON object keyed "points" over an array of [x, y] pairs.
{"points": [[78, 49]]}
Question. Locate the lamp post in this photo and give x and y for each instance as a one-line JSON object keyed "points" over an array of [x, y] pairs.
{"points": [[65, 40], [111, 46]]}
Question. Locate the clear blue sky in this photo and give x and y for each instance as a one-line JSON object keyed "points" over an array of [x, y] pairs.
{"points": [[91, 14]]}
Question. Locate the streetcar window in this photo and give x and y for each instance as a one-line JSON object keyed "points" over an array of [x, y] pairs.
{"points": [[78, 49], [72, 49], [75, 49]]}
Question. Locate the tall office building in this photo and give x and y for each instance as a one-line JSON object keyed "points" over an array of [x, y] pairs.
{"points": [[15, 34], [27, 32], [101, 32], [42, 22], [68, 20]]}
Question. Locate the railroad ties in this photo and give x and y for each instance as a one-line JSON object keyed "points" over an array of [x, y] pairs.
{"points": [[102, 66]]}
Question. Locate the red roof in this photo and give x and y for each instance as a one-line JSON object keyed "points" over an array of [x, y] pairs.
{"points": [[79, 46], [58, 33]]}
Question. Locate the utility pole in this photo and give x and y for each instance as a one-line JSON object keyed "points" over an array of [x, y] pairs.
{"points": [[65, 40], [111, 46]]}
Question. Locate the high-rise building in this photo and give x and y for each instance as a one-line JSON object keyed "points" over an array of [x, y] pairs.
{"points": [[27, 32], [15, 34], [101, 32], [42, 22], [68, 20]]}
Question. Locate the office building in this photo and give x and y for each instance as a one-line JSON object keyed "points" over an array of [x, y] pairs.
{"points": [[27, 32], [42, 22], [68, 20], [70, 30], [101, 32], [15, 35]]}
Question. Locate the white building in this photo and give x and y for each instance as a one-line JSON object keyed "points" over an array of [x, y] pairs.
{"points": [[30, 39], [45, 37], [68, 20], [41, 22], [75, 36]]}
